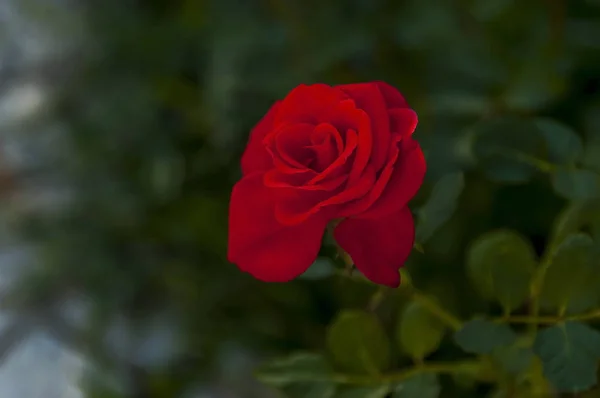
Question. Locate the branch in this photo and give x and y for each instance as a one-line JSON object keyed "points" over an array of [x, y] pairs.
{"points": [[438, 311], [549, 320], [459, 367]]}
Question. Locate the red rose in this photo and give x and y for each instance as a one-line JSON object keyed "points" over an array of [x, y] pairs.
{"points": [[325, 154]]}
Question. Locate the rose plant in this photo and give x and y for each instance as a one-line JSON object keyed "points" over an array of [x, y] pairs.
{"points": [[343, 159]]}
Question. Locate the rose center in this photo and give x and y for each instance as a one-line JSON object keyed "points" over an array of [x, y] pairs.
{"points": [[326, 144]]}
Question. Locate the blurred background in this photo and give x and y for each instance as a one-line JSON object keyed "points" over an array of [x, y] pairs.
{"points": [[121, 128]]}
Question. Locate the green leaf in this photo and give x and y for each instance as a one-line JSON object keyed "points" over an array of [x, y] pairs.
{"points": [[440, 206], [310, 390], [467, 377], [591, 157], [301, 375], [500, 264], [424, 385], [358, 343], [509, 150], [570, 354], [564, 145], [574, 218], [479, 336], [572, 280], [513, 359], [535, 84], [461, 103], [364, 392], [512, 392], [591, 121], [419, 332], [322, 268], [576, 184]]}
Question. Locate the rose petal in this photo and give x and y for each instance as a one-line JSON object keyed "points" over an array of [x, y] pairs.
{"points": [[261, 246], [358, 206], [352, 192], [403, 121], [378, 247], [336, 167], [307, 103], [296, 206], [369, 98], [391, 95], [256, 157], [325, 131], [404, 183], [277, 179], [290, 143], [327, 145], [363, 149]]}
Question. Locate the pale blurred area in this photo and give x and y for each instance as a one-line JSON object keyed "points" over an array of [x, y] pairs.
{"points": [[43, 44], [37, 37]]}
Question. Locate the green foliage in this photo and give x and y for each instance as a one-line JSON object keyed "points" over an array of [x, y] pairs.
{"points": [[323, 267], [579, 216], [573, 276], [419, 331], [515, 358], [564, 145], [576, 183], [500, 265], [439, 206], [509, 149], [301, 375], [358, 343], [420, 386], [363, 392], [570, 353], [483, 337]]}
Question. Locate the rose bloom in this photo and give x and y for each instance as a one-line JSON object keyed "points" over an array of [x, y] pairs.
{"points": [[341, 156]]}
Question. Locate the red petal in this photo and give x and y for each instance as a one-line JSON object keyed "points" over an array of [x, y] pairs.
{"points": [[355, 208], [403, 121], [290, 144], [307, 103], [403, 184], [363, 150], [351, 192], [261, 246], [326, 144], [369, 98], [256, 157], [297, 205], [378, 247], [276, 179], [325, 131], [391, 95], [336, 167]]}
